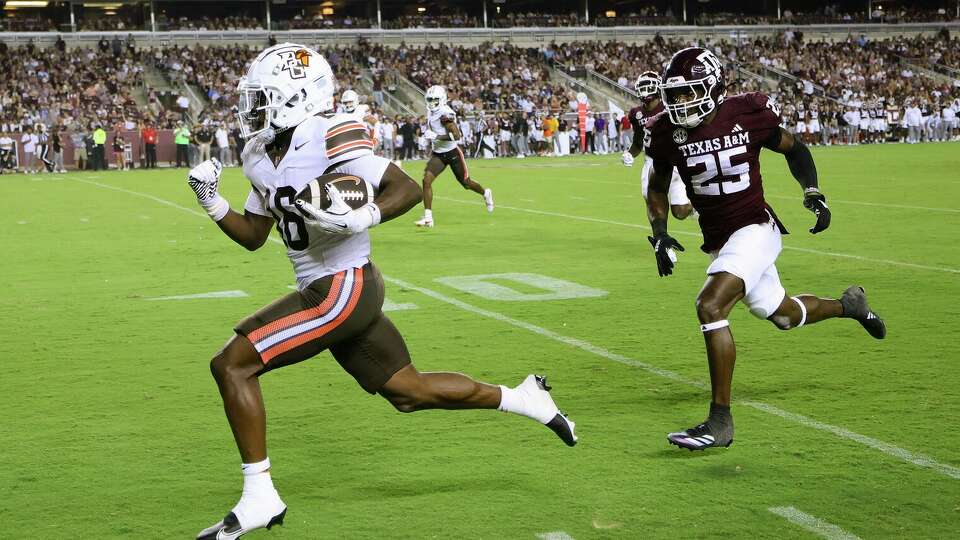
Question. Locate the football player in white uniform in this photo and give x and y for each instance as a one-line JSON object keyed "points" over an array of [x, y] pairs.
{"points": [[647, 88], [442, 134], [285, 113], [350, 104]]}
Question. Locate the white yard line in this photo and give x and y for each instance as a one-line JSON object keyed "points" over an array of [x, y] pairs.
{"points": [[813, 524], [198, 296], [686, 233], [555, 535], [887, 448]]}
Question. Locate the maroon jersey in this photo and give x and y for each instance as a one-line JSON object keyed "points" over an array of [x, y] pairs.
{"points": [[720, 164], [640, 120]]}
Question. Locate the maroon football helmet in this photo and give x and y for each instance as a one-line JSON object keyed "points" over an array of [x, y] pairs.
{"points": [[692, 86]]}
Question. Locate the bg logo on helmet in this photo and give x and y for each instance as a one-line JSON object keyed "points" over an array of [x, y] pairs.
{"points": [[294, 62]]}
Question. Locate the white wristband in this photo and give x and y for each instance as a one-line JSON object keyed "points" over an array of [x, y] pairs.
{"points": [[217, 208], [372, 212]]}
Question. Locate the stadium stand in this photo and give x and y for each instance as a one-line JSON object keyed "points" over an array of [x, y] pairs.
{"points": [[506, 90]]}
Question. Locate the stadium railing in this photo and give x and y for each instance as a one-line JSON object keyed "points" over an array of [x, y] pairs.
{"points": [[467, 36]]}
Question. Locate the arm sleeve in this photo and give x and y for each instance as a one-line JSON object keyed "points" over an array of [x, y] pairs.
{"points": [[368, 167], [255, 204]]}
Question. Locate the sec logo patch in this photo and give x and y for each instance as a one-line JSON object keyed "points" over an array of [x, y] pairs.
{"points": [[679, 135]]}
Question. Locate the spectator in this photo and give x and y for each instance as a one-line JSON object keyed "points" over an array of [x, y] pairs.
{"points": [[181, 138], [99, 155], [28, 141], [149, 136], [79, 148], [7, 152], [203, 137], [409, 133], [183, 104], [238, 142], [222, 138], [56, 143], [118, 142]]}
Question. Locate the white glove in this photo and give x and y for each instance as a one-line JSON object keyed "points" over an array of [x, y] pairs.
{"points": [[430, 135], [204, 180], [340, 218], [627, 158], [255, 148]]}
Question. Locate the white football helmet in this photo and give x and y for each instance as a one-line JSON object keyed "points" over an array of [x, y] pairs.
{"points": [[350, 100], [647, 85], [285, 84], [436, 97]]}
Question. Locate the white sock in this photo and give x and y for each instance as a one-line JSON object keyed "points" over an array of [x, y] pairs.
{"points": [[516, 402], [427, 213], [256, 479]]}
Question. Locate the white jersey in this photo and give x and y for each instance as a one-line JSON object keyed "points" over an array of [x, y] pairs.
{"points": [[435, 125], [360, 113], [321, 144]]}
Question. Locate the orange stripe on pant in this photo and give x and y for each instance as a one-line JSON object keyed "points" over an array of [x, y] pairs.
{"points": [[317, 333], [302, 316], [466, 170]]}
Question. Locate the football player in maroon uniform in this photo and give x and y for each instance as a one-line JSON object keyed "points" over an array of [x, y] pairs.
{"points": [[641, 117], [714, 141]]}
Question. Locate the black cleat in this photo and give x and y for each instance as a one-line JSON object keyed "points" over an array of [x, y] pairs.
{"points": [[854, 302], [702, 437], [229, 527]]}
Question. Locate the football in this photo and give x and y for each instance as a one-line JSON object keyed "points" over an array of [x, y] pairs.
{"points": [[355, 191]]}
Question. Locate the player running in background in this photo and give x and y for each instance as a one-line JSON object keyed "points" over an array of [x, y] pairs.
{"points": [[715, 142], [350, 104], [442, 134], [292, 137], [647, 88]]}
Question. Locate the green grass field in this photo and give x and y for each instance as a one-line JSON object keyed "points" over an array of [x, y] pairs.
{"points": [[113, 427]]}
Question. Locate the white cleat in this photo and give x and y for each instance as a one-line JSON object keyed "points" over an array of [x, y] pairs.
{"points": [[537, 397], [424, 222], [248, 515], [488, 198]]}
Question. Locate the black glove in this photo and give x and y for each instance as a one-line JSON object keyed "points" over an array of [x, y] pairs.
{"points": [[815, 202], [661, 243]]}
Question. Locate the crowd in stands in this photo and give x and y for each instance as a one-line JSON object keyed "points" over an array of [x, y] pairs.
{"points": [[60, 86], [432, 21], [487, 77], [322, 22], [214, 23], [28, 24], [86, 87]]}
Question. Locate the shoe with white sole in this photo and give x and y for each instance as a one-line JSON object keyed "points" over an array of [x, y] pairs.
{"points": [[536, 393], [702, 437], [246, 516], [424, 222], [488, 198]]}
